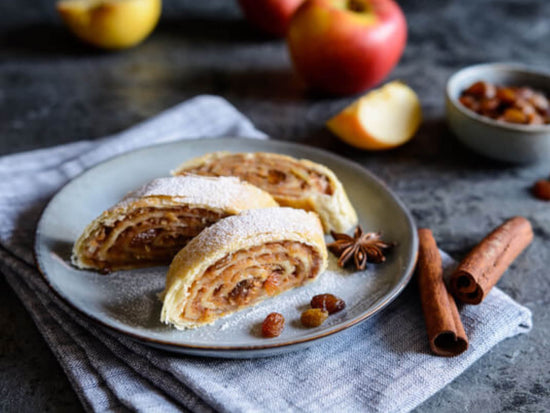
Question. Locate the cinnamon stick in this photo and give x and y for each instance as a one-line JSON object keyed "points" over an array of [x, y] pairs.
{"points": [[485, 264], [445, 330]]}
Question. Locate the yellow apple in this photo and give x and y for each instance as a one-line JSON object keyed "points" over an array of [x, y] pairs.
{"points": [[382, 119], [111, 24]]}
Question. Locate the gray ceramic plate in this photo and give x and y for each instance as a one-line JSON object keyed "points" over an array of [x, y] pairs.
{"points": [[127, 301]]}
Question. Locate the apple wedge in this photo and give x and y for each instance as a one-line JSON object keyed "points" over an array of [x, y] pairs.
{"points": [[110, 24], [382, 119]]}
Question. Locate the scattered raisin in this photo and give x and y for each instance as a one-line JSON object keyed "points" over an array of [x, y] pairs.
{"points": [[541, 190], [328, 302], [313, 317], [273, 325]]}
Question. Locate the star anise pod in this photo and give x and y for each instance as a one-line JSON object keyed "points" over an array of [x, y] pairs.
{"points": [[362, 247]]}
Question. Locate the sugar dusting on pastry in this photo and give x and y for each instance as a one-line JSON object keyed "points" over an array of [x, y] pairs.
{"points": [[220, 192], [229, 236], [191, 194], [255, 223]]}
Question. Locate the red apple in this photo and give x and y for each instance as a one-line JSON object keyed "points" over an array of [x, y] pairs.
{"points": [[270, 16], [346, 46]]}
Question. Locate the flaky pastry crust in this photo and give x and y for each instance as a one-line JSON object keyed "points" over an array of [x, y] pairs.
{"points": [[240, 261], [297, 183]]}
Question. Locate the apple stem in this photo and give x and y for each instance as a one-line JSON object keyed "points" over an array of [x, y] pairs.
{"points": [[358, 6]]}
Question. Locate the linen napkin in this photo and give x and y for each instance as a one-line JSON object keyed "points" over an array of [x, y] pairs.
{"points": [[382, 365]]}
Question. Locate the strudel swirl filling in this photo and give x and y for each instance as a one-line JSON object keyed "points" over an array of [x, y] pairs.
{"points": [[240, 261], [297, 183], [152, 224], [249, 276]]}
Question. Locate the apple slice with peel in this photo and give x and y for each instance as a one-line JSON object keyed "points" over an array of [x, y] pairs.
{"points": [[382, 119], [110, 24]]}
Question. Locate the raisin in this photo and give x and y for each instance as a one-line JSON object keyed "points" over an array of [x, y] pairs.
{"points": [[275, 177], [540, 102], [525, 107], [272, 283], [481, 89], [506, 95], [489, 105], [515, 116], [313, 317], [469, 102], [524, 92], [328, 302], [541, 190], [273, 325], [240, 291], [520, 105], [535, 119]]}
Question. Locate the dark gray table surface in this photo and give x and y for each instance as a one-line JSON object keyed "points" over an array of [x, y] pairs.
{"points": [[53, 90]]}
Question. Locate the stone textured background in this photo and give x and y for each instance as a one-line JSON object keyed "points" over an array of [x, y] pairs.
{"points": [[54, 90]]}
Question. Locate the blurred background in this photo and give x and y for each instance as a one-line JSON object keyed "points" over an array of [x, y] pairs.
{"points": [[54, 89]]}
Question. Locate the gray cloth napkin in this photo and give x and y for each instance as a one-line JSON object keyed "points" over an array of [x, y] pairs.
{"points": [[382, 365]]}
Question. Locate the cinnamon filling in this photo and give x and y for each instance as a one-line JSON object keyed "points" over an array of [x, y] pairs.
{"points": [[146, 236], [248, 276], [284, 178]]}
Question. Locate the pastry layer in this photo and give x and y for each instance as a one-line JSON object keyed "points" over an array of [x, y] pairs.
{"points": [[292, 182], [241, 260], [150, 225]]}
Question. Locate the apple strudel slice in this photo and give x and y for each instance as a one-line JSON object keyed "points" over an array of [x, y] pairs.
{"points": [[150, 225], [298, 183], [240, 261]]}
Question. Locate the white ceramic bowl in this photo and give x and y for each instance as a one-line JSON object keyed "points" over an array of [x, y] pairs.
{"points": [[495, 139]]}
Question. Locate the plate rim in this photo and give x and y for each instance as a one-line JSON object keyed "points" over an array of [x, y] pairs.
{"points": [[170, 345]]}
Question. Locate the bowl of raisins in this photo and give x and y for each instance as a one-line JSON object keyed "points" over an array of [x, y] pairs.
{"points": [[501, 111]]}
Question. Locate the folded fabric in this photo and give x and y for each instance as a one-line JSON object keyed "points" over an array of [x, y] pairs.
{"points": [[382, 365]]}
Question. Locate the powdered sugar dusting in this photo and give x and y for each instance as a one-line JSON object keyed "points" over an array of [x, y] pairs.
{"points": [[217, 192], [257, 222]]}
